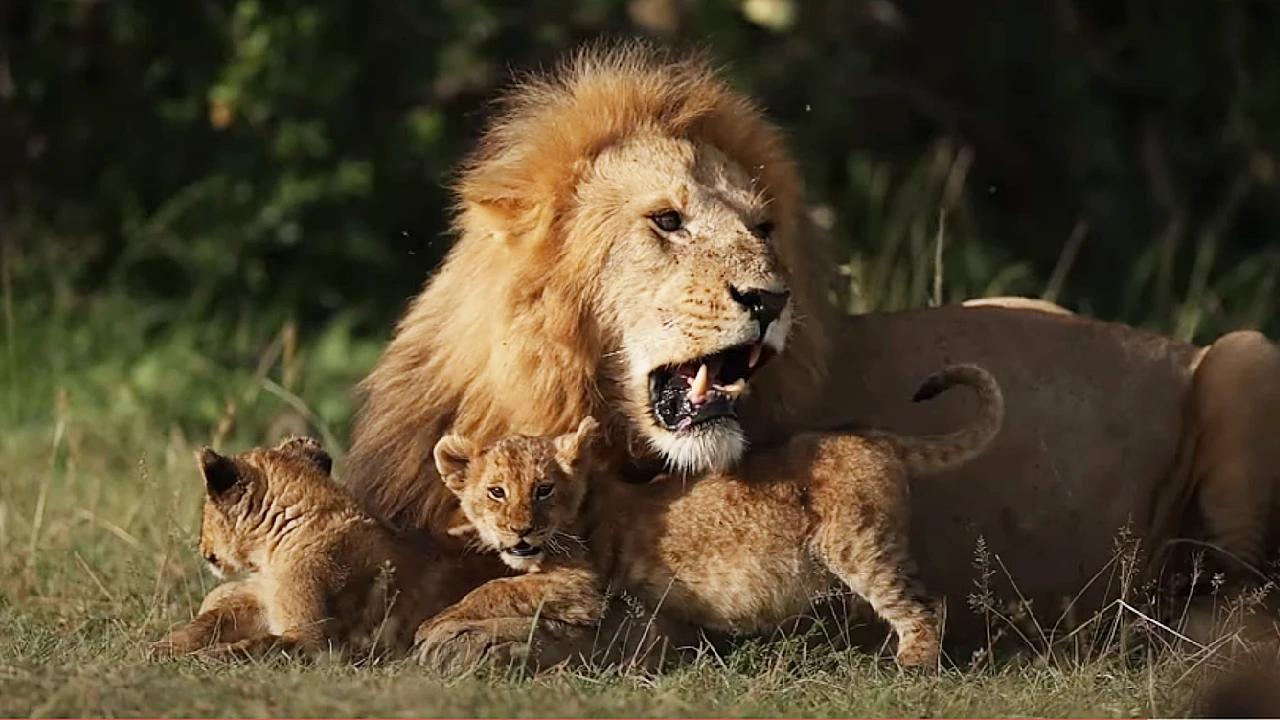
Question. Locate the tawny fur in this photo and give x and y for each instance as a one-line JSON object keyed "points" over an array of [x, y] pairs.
{"points": [[525, 328], [521, 329], [318, 574], [737, 553]]}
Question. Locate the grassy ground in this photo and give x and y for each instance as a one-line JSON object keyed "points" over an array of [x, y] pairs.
{"points": [[98, 516]]}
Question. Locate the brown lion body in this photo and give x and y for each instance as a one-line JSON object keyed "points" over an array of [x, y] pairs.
{"points": [[319, 573], [738, 553], [565, 295]]}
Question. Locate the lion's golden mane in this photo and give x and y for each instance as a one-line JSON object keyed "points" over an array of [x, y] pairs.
{"points": [[505, 337]]}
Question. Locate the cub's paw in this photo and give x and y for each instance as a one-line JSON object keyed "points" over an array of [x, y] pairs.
{"points": [[919, 653], [174, 645], [452, 647], [162, 650], [254, 648]]}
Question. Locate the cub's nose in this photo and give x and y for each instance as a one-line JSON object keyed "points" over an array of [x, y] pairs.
{"points": [[765, 306]]}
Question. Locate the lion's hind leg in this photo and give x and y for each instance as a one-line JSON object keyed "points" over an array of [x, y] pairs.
{"points": [[864, 542], [1234, 416], [230, 613]]}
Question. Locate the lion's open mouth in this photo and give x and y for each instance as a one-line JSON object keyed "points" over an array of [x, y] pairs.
{"points": [[523, 549], [705, 389]]}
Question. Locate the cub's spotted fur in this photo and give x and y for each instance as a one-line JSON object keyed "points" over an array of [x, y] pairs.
{"points": [[737, 553], [318, 573]]}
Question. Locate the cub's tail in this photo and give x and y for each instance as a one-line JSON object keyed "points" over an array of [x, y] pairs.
{"points": [[924, 454]]}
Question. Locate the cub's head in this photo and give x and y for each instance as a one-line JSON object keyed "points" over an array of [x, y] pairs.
{"points": [[520, 494], [252, 496]]}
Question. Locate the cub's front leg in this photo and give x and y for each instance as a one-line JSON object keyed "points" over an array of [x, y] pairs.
{"points": [[540, 618], [230, 613]]}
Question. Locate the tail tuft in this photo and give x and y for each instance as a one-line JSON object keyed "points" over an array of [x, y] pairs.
{"points": [[933, 453], [934, 386]]}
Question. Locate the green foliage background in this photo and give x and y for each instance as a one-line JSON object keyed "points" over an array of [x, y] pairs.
{"points": [[181, 179]]}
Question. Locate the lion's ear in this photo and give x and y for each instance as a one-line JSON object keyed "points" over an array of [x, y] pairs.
{"points": [[506, 213], [309, 448], [453, 455], [575, 447], [221, 475]]}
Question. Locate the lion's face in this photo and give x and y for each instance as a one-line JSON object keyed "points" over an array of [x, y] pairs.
{"points": [[694, 299], [521, 494]]}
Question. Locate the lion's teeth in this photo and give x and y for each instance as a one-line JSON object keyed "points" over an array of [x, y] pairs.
{"points": [[698, 388], [735, 388], [756, 351]]}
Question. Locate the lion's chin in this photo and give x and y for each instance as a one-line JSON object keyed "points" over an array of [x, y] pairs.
{"points": [[712, 445]]}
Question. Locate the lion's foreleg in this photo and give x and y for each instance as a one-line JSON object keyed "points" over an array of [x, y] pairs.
{"points": [[540, 617]]}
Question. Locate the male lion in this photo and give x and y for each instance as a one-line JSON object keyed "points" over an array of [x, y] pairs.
{"points": [[632, 245], [737, 552]]}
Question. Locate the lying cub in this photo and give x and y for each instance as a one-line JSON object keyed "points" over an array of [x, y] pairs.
{"points": [[318, 572], [737, 553]]}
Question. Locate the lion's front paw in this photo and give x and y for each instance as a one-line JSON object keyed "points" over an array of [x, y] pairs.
{"points": [[455, 646]]}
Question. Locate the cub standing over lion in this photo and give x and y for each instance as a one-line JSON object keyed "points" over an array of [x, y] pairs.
{"points": [[739, 553], [630, 226]]}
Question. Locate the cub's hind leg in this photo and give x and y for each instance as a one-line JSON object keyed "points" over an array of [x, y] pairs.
{"points": [[230, 613], [1233, 414], [862, 539]]}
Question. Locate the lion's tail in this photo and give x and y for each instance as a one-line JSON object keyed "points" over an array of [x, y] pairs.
{"points": [[924, 454]]}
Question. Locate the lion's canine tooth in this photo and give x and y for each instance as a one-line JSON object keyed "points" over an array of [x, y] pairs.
{"points": [[756, 351], [698, 388], [735, 388]]}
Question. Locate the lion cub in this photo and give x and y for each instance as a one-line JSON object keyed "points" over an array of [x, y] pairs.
{"points": [[734, 552], [318, 572]]}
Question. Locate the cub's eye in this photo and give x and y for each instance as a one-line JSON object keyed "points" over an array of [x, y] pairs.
{"points": [[497, 493], [544, 491], [763, 230], [667, 220]]}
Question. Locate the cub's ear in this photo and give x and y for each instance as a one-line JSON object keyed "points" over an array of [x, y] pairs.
{"points": [[220, 473], [576, 446], [309, 448], [453, 456]]}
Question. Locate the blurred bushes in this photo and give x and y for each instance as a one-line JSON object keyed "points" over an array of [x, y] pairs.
{"points": [[252, 160]]}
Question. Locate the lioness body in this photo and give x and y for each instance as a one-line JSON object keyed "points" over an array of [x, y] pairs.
{"points": [[738, 553], [319, 573], [631, 220]]}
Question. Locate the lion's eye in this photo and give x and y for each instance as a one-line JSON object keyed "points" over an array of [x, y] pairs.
{"points": [[667, 220], [544, 491], [763, 230], [497, 493]]}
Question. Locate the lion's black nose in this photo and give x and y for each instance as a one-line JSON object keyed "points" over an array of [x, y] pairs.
{"points": [[764, 305]]}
